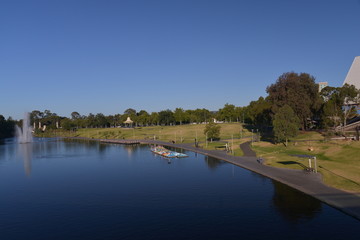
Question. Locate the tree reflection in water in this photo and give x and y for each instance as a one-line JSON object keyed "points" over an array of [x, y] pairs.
{"points": [[213, 163], [293, 205]]}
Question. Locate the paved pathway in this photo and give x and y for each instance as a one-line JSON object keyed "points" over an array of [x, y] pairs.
{"points": [[309, 183], [246, 148]]}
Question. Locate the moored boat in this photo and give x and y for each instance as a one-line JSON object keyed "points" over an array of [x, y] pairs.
{"points": [[162, 151]]}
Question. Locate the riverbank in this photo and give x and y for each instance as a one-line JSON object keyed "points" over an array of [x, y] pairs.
{"points": [[309, 183]]}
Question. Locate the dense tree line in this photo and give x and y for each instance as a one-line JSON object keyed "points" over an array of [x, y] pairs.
{"points": [[6, 127], [179, 116], [294, 102], [292, 94]]}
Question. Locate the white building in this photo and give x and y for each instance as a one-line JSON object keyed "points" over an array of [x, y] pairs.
{"points": [[353, 76], [322, 85]]}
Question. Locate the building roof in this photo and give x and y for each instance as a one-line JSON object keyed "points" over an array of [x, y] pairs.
{"points": [[128, 120], [353, 76]]}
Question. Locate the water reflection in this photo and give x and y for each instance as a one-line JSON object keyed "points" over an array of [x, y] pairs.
{"points": [[26, 151], [130, 149], [213, 163], [293, 205]]}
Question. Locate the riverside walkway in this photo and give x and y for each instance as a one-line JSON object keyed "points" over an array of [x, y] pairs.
{"points": [[309, 183]]}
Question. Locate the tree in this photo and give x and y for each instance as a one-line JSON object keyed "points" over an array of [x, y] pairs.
{"points": [[258, 112], [143, 118], [117, 119], [130, 111], [75, 115], [90, 120], [339, 105], [202, 115], [299, 91], [227, 113], [67, 124], [101, 120], [331, 110], [351, 99], [239, 114], [286, 124], [192, 118], [212, 130], [166, 117], [179, 115], [48, 113], [6, 127], [154, 118]]}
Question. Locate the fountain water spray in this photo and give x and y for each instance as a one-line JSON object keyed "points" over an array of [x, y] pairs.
{"points": [[24, 135]]}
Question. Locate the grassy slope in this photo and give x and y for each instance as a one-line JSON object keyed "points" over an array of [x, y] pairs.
{"points": [[338, 161], [179, 133]]}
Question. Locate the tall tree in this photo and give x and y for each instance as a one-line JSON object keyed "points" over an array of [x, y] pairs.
{"points": [[143, 118], [6, 127], [286, 124], [75, 115], [351, 97], [154, 118], [166, 117], [299, 91], [239, 114], [339, 105], [101, 120], [331, 110], [179, 115], [130, 111], [227, 113], [258, 112]]}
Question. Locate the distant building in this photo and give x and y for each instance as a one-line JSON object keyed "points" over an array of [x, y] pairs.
{"points": [[322, 85], [353, 76]]}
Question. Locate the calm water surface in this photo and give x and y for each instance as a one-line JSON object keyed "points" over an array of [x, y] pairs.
{"points": [[52, 189]]}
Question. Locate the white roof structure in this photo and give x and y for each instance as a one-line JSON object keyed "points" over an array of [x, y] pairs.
{"points": [[128, 120], [353, 76]]}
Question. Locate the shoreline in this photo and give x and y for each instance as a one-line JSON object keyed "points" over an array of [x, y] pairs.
{"points": [[308, 183]]}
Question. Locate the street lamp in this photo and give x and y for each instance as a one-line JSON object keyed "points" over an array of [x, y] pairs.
{"points": [[252, 136]]}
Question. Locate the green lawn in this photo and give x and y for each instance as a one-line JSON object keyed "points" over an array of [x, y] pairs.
{"points": [[179, 133], [338, 161]]}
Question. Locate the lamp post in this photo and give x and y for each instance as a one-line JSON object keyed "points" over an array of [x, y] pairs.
{"points": [[252, 136], [232, 144], [206, 139]]}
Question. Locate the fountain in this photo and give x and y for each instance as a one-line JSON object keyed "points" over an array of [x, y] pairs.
{"points": [[24, 135]]}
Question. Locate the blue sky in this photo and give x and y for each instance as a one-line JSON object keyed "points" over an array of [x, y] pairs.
{"points": [[106, 56]]}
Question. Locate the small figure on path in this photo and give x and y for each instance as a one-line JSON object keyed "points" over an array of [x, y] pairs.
{"points": [[260, 160]]}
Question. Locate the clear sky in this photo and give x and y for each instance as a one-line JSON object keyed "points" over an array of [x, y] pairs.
{"points": [[103, 56]]}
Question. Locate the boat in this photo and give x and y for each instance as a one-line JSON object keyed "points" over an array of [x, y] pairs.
{"points": [[162, 151]]}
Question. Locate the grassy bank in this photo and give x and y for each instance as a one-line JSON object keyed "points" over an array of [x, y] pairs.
{"points": [[230, 133], [337, 160], [179, 133]]}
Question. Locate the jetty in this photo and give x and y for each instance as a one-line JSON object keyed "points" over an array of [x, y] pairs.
{"points": [[120, 141]]}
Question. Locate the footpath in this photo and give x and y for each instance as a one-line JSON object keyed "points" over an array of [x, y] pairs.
{"points": [[309, 183]]}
